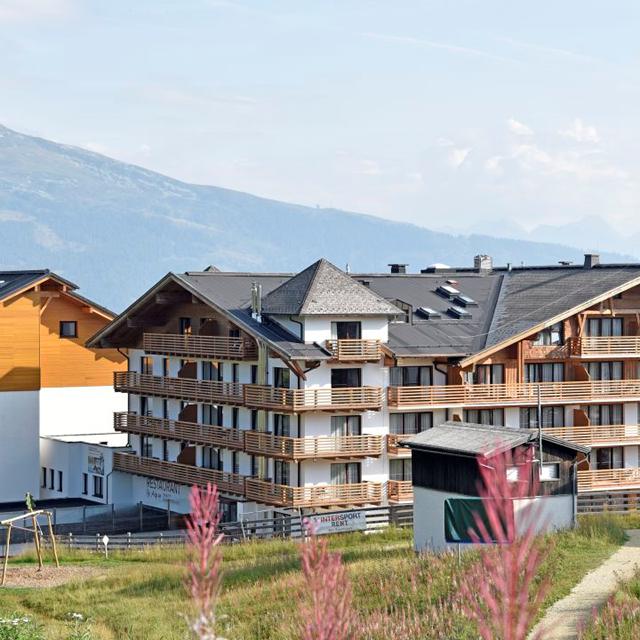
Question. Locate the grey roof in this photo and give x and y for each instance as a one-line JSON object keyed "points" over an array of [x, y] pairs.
{"points": [[323, 289], [471, 439], [11, 281]]}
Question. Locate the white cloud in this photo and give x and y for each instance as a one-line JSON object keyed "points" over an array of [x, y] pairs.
{"points": [[581, 132], [552, 51], [32, 10], [519, 128], [457, 156], [494, 165], [369, 168]]}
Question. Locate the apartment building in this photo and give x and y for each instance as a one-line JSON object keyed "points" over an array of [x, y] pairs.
{"points": [[294, 391], [52, 386]]}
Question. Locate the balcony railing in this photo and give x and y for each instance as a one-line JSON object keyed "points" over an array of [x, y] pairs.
{"points": [[596, 435], [512, 394], [325, 399], [194, 432], [189, 346], [608, 479], [267, 444], [176, 472], [353, 350], [207, 391], [606, 346], [393, 445], [318, 496], [400, 491]]}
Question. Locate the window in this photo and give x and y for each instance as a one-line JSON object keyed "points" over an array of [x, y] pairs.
{"points": [[604, 370], [235, 461], [235, 418], [211, 370], [146, 365], [165, 367], [146, 447], [399, 469], [342, 378], [604, 327], [235, 372], [494, 417], [550, 471], [345, 473], [411, 376], [212, 458], [254, 466], [544, 372], [145, 406], [165, 450], [234, 333], [410, 422], [59, 480], [346, 330], [51, 478], [184, 326], [281, 378], [488, 374], [97, 487], [212, 414], [605, 414], [610, 458], [254, 374], [346, 426], [551, 417], [43, 477], [281, 472], [85, 484], [513, 474], [552, 335], [254, 419], [68, 329], [281, 424], [165, 409]]}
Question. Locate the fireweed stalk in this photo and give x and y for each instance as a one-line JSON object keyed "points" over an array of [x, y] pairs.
{"points": [[501, 594], [329, 616], [203, 569]]}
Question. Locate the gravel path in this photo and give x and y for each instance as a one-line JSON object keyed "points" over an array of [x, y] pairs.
{"points": [[563, 618]]}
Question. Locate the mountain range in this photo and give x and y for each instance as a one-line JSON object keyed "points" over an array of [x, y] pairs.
{"points": [[114, 228]]}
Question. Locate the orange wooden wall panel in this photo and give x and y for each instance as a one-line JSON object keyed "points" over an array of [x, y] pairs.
{"points": [[66, 362], [19, 348]]}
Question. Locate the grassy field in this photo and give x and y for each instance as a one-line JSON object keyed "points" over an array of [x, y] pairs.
{"points": [[140, 596]]}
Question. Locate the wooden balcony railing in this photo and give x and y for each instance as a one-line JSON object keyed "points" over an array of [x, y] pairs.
{"points": [[512, 394], [355, 350], [176, 472], [267, 444], [393, 445], [598, 435], [606, 346], [399, 491], [325, 399], [193, 432], [318, 496], [207, 391], [189, 346], [608, 479]]}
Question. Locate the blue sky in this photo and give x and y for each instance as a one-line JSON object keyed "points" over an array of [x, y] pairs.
{"points": [[446, 114]]}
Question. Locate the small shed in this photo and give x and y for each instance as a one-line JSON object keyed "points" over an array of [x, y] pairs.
{"points": [[445, 470]]}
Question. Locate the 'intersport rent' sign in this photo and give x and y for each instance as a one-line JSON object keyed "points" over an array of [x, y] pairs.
{"points": [[339, 522]]}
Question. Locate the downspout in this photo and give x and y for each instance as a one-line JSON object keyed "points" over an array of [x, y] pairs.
{"points": [[301, 324]]}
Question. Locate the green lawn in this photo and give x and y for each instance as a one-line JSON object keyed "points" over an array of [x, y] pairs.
{"points": [[139, 595]]}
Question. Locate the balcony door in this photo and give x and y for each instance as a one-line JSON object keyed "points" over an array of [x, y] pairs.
{"points": [[281, 425], [346, 330], [605, 370], [346, 473], [341, 378], [610, 458], [489, 374], [544, 372], [604, 327], [411, 376], [342, 426], [399, 469], [281, 377]]}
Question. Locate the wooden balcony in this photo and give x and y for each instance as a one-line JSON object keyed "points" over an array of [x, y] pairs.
{"points": [[324, 399], [355, 350], [609, 480], [393, 445], [599, 436], [281, 495], [525, 393], [190, 346], [400, 491], [267, 444], [196, 433], [180, 473], [605, 347], [207, 391]]}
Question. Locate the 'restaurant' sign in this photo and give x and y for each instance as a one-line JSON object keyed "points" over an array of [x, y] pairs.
{"points": [[339, 522]]}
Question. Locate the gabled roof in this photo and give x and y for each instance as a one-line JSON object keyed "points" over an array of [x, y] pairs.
{"points": [[323, 289], [465, 438]]}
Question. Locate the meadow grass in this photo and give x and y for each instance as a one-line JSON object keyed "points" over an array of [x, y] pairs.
{"points": [[139, 595]]}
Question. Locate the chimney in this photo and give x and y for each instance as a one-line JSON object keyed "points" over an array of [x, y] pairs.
{"points": [[591, 260], [482, 263], [256, 301], [398, 267]]}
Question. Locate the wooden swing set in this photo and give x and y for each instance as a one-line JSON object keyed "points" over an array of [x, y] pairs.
{"points": [[12, 523]]}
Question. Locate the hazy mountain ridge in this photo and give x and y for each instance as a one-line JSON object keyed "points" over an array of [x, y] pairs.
{"points": [[116, 228]]}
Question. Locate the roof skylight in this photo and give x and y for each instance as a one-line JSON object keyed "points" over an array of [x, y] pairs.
{"points": [[458, 312], [428, 312], [465, 300], [447, 290]]}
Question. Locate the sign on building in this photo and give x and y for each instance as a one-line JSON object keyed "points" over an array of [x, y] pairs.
{"points": [[339, 522], [95, 461], [162, 490]]}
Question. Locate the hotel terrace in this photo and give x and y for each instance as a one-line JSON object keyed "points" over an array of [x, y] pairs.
{"points": [[295, 391]]}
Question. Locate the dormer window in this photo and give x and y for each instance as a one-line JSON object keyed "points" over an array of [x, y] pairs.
{"points": [[552, 335]]}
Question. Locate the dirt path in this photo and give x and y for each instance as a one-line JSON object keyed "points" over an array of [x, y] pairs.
{"points": [[563, 618], [29, 576]]}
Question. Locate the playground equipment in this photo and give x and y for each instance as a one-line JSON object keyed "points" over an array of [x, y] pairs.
{"points": [[13, 523]]}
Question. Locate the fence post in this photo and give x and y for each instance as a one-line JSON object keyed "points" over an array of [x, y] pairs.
{"points": [[70, 540], [84, 519], [140, 516], [128, 540], [113, 516], [97, 542], [160, 540]]}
